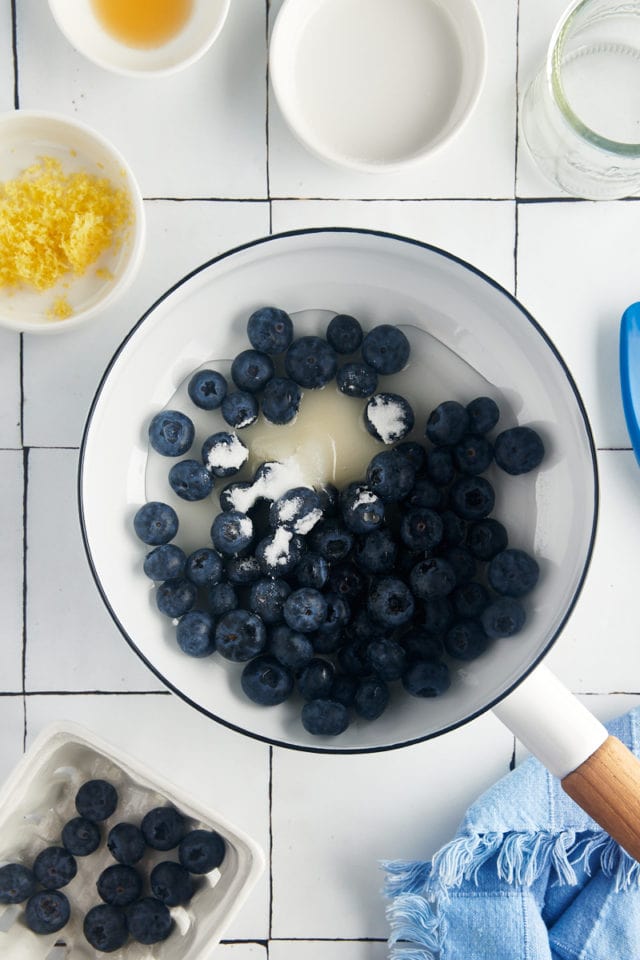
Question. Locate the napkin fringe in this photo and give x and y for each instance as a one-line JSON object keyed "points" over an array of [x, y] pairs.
{"points": [[417, 887]]}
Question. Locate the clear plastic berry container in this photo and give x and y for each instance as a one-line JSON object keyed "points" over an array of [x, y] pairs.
{"points": [[37, 800]]}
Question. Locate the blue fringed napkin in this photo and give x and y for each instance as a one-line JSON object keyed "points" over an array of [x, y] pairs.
{"points": [[528, 876]]}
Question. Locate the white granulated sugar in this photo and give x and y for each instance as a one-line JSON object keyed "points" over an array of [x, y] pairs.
{"points": [[246, 527], [274, 481], [228, 455], [277, 552], [306, 523], [289, 508], [364, 496], [387, 417]]}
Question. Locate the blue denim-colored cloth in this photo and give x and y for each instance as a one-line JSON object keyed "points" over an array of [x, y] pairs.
{"points": [[528, 876]]}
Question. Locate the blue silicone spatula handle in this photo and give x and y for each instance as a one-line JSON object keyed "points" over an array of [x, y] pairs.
{"points": [[630, 373]]}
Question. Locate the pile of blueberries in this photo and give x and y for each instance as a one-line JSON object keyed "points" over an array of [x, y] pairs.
{"points": [[338, 594], [127, 910]]}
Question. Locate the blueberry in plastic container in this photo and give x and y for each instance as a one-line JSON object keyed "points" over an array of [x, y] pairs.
{"points": [[120, 884], [224, 453], [316, 679], [362, 509], [105, 928], [126, 843], [472, 498], [305, 609], [291, 649], [421, 528], [251, 370], [149, 920], [176, 597], [297, 510], [194, 633], [376, 553], [221, 598], [54, 867], [240, 409], [357, 379], [204, 567], [81, 836], [466, 640], [171, 433], [431, 578], [171, 883], [17, 883], [387, 658], [311, 362], [267, 598], [447, 423], [163, 827], [165, 562], [388, 417], [391, 475], [96, 799], [518, 450], [201, 851], [486, 538], [390, 602], [372, 698], [47, 911], [270, 330], [240, 635], [207, 389], [484, 414], [473, 454], [324, 717], [231, 532], [503, 618], [280, 400], [344, 333], [266, 681], [426, 678], [155, 523], [331, 539], [386, 349], [190, 480], [513, 573]]}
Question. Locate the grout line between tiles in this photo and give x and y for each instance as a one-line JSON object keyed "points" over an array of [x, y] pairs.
{"points": [[517, 92], [14, 49], [267, 7], [97, 693]]}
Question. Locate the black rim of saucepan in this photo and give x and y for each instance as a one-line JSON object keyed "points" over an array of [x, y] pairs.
{"points": [[310, 748]]}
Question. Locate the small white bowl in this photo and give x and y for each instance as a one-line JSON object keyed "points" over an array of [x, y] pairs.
{"points": [[26, 136], [376, 85], [78, 22]]}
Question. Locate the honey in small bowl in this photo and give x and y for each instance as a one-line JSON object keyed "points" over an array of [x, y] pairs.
{"points": [[143, 23]]}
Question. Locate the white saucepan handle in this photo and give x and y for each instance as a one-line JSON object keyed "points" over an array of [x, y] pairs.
{"points": [[596, 770]]}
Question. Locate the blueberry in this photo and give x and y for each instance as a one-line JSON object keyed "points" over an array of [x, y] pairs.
{"points": [[305, 609], [270, 330], [357, 379], [165, 562], [462, 561], [292, 650], [424, 493], [105, 928], [126, 843], [171, 883], [421, 528], [251, 370], [419, 644], [518, 450], [311, 362], [352, 659], [240, 409], [47, 911], [513, 573], [454, 528], [96, 800], [279, 552], [390, 475], [372, 698], [176, 597], [325, 717], [194, 633], [470, 599], [281, 400], [472, 498], [388, 417], [414, 452], [231, 532], [504, 617], [190, 480], [483, 414], [362, 509], [81, 836], [338, 614], [297, 510], [163, 828], [439, 466], [327, 639], [346, 580], [448, 423], [240, 635], [149, 920], [329, 500], [224, 453], [155, 523], [171, 433], [344, 689], [312, 570], [266, 681], [432, 577], [473, 454], [201, 851], [221, 598], [387, 658], [228, 492], [119, 885], [331, 539], [267, 598], [17, 883], [437, 615], [486, 538], [386, 349], [390, 602], [344, 333], [203, 567], [316, 679], [242, 570], [207, 389], [376, 553], [465, 640], [426, 678]]}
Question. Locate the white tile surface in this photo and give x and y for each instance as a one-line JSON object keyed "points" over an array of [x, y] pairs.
{"points": [[6, 57], [12, 725], [11, 572], [10, 414], [321, 950], [478, 162]]}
